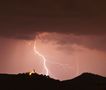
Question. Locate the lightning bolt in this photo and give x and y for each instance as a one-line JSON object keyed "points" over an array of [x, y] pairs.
{"points": [[44, 60], [42, 57]]}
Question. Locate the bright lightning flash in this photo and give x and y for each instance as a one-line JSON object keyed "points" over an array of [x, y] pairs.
{"points": [[43, 58]]}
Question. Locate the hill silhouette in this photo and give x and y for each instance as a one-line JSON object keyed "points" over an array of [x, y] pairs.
{"points": [[85, 81]]}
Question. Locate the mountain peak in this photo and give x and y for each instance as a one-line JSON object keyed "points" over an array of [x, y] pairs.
{"points": [[89, 75]]}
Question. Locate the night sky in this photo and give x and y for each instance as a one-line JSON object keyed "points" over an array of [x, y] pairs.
{"points": [[71, 34]]}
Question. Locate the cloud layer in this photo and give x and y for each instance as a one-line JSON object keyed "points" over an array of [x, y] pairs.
{"points": [[23, 19], [96, 42]]}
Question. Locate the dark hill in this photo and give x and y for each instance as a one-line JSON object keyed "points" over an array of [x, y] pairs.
{"points": [[85, 81], [27, 82]]}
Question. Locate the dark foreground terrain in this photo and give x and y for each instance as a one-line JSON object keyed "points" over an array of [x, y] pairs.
{"points": [[85, 81]]}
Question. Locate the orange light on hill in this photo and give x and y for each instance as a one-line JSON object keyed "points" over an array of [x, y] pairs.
{"points": [[30, 73]]}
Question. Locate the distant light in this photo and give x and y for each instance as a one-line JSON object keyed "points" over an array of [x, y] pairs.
{"points": [[31, 72]]}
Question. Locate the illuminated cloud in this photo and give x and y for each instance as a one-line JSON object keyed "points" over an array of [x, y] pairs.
{"points": [[66, 40]]}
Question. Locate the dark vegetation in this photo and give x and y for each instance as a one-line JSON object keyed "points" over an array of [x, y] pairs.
{"points": [[86, 81]]}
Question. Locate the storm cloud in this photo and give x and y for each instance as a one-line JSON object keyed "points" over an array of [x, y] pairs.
{"points": [[94, 42], [24, 19]]}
